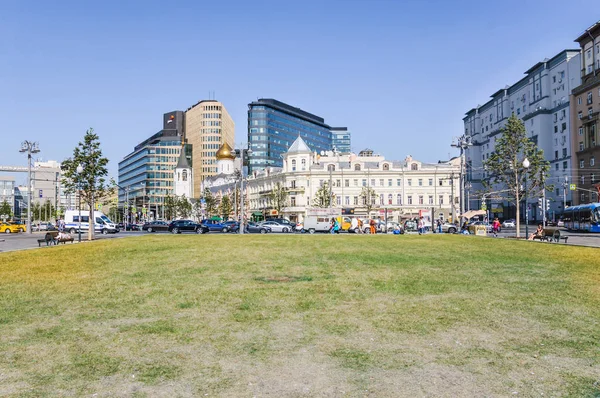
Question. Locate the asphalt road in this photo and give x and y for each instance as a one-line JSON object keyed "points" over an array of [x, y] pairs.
{"points": [[25, 241]]}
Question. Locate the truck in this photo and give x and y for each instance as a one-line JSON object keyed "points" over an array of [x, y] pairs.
{"points": [[102, 223]]}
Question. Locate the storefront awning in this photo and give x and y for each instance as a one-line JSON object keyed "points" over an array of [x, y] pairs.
{"points": [[257, 213], [474, 213]]}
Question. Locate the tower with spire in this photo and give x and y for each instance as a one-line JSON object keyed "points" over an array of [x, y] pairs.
{"points": [[299, 157], [184, 178]]}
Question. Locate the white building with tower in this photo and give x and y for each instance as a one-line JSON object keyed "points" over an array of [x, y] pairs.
{"points": [[184, 177]]}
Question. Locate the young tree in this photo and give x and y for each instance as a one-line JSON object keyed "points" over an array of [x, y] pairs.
{"points": [[184, 207], [36, 209], [91, 181], [505, 165], [5, 210], [279, 197], [170, 207], [210, 203], [225, 207], [197, 210], [322, 196], [368, 196]]}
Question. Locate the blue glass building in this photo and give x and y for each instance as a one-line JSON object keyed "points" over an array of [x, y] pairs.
{"points": [[273, 126], [340, 139]]}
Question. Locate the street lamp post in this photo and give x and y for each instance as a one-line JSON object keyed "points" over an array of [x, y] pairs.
{"points": [[462, 142], [243, 153], [79, 171], [29, 147], [526, 166]]}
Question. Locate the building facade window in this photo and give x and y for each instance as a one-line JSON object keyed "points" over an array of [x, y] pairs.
{"points": [[409, 199], [441, 199], [421, 199]]}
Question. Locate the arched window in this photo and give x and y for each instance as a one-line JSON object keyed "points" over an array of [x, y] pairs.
{"points": [[331, 167], [293, 164], [357, 167], [386, 166], [414, 166], [184, 175], [389, 199]]}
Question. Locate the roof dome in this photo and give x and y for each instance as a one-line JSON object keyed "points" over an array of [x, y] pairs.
{"points": [[225, 152]]}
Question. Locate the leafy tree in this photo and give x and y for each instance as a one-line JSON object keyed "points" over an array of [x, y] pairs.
{"points": [[368, 196], [225, 207], [278, 197], [170, 207], [92, 180], [197, 210], [47, 212], [5, 209], [210, 203], [36, 210], [184, 207], [322, 198], [505, 165]]}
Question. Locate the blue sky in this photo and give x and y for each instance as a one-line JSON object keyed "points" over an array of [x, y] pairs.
{"points": [[399, 74]]}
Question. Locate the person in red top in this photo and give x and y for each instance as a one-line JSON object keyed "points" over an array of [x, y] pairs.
{"points": [[496, 226]]}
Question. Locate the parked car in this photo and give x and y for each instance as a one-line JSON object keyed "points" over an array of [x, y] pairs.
{"points": [[449, 228], [179, 226], [232, 226], [8, 228], [276, 227], [508, 224], [45, 226], [154, 226], [284, 221], [215, 225], [560, 223], [253, 228]]}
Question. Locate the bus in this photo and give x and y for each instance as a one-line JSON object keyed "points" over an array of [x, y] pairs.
{"points": [[582, 217]]}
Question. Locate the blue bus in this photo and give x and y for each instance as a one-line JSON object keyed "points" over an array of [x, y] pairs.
{"points": [[582, 217]]}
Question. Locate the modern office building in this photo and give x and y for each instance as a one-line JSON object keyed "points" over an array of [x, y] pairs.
{"points": [[585, 108], [273, 126], [146, 174], [541, 101], [46, 184], [7, 193], [340, 139], [207, 126]]}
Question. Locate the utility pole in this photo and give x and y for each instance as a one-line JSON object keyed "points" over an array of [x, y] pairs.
{"points": [[29, 147], [565, 193]]}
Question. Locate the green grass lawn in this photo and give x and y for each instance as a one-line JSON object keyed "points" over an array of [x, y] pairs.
{"points": [[296, 316]]}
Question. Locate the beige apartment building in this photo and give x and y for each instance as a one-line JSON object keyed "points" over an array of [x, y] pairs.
{"points": [[208, 126], [585, 108]]}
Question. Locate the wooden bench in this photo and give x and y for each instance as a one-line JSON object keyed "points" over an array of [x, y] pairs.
{"points": [[551, 235], [52, 238], [49, 238]]}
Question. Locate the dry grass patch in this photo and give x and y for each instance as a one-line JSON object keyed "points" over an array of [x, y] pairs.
{"points": [[290, 316]]}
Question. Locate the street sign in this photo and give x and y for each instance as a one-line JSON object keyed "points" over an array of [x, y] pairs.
{"points": [[144, 210], [572, 187], [483, 207], [134, 209], [99, 206]]}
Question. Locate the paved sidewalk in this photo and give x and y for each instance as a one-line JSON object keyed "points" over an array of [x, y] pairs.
{"points": [[25, 241]]}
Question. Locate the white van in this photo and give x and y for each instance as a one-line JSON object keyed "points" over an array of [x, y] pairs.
{"points": [[102, 223], [314, 224]]}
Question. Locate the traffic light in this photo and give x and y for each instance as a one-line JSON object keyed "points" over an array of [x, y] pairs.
{"points": [[547, 204], [541, 205]]}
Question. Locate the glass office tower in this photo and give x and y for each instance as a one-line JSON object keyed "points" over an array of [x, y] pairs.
{"points": [[340, 139], [273, 126]]}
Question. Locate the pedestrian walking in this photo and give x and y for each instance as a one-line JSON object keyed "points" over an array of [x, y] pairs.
{"points": [[360, 226], [439, 226], [420, 226], [372, 228], [496, 227]]}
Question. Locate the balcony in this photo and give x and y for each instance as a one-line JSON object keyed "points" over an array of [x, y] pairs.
{"points": [[590, 118]]}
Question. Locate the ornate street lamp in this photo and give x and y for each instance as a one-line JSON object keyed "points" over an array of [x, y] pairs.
{"points": [[526, 166]]}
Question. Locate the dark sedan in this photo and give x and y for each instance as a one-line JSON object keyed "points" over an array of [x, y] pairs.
{"points": [[179, 226], [154, 226], [232, 226]]}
